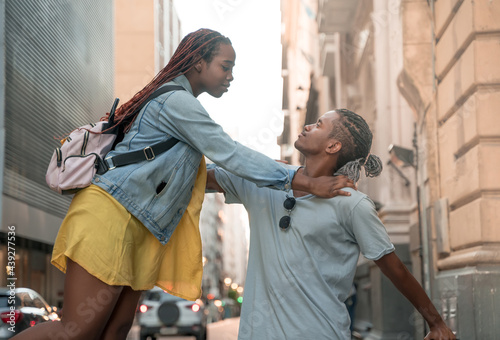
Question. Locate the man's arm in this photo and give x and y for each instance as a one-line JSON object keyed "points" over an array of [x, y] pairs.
{"points": [[212, 181], [396, 271]]}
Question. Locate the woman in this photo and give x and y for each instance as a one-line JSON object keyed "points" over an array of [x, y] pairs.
{"points": [[114, 241]]}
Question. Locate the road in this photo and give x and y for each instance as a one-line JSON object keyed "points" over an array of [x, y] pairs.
{"points": [[222, 330]]}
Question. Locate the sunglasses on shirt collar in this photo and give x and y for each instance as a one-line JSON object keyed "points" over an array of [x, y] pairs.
{"points": [[285, 221]]}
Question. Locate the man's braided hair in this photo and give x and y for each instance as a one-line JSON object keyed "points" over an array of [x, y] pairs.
{"points": [[356, 138]]}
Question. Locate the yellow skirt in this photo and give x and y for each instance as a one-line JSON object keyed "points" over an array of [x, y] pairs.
{"points": [[100, 235]]}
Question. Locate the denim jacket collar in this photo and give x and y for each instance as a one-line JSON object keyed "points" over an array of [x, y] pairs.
{"points": [[184, 82]]}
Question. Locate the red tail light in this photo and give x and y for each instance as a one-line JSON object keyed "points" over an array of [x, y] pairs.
{"points": [[143, 308], [11, 316], [194, 307]]}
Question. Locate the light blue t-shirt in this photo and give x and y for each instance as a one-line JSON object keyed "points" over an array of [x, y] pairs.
{"points": [[297, 280]]}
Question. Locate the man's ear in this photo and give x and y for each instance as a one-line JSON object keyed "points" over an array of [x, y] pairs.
{"points": [[333, 147]]}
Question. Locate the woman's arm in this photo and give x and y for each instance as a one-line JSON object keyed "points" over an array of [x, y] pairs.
{"points": [[183, 117], [325, 186], [396, 271], [337, 183]]}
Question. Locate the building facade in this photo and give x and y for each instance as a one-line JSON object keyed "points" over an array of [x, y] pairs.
{"points": [[451, 78], [146, 35], [224, 234], [54, 57], [300, 68], [425, 76]]}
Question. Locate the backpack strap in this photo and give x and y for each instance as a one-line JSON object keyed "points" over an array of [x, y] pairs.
{"points": [[111, 120], [148, 153], [158, 92]]}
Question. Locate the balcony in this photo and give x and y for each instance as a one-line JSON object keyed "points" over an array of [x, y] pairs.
{"points": [[336, 15]]}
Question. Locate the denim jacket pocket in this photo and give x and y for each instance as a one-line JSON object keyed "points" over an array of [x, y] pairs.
{"points": [[176, 190]]}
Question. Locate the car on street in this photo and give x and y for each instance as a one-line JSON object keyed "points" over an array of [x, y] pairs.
{"points": [[162, 314], [21, 308]]}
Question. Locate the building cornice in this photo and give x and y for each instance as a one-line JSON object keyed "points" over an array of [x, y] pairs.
{"points": [[484, 254]]}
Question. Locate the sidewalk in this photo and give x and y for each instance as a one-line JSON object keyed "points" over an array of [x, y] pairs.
{"points": [[223, 330]]}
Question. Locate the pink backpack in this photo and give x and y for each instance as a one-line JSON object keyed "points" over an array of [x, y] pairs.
{"points": [[82, 153]]}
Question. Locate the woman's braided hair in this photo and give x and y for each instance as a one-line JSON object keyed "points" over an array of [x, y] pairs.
{"points": [[201, 44], [356, 138]]}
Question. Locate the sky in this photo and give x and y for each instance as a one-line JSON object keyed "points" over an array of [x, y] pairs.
{"points": [[251, 111]]}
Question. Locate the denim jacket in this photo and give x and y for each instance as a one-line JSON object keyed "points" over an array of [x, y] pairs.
{"points": [[179, 114]]}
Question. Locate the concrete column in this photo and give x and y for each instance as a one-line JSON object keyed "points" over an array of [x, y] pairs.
{"points": [[416, 84]]}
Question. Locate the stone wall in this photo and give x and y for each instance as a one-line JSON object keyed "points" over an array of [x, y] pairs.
{"points": [[452, 69]]}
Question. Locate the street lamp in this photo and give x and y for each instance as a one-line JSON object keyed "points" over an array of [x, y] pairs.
{"points": [[401, 157]]}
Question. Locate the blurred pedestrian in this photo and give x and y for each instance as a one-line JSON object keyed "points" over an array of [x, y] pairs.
{"points": [[304, 249], [350, 303], [114, 241]]}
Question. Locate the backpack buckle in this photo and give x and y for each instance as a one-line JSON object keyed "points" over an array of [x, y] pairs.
{"points": [[148, 152], [106, 161]]}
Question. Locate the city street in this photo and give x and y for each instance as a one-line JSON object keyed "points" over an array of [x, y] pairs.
{"points": [[222, 330], [112, 112]]}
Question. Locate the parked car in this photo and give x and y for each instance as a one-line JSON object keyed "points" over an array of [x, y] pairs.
{"points": [[21, 308], [160, 314]]}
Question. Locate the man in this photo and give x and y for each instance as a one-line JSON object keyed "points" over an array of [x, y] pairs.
{"points": [[304, 249]]}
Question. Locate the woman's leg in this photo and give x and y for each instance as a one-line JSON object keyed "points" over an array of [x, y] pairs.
{"points": [[121, 319], [88, 305]]}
